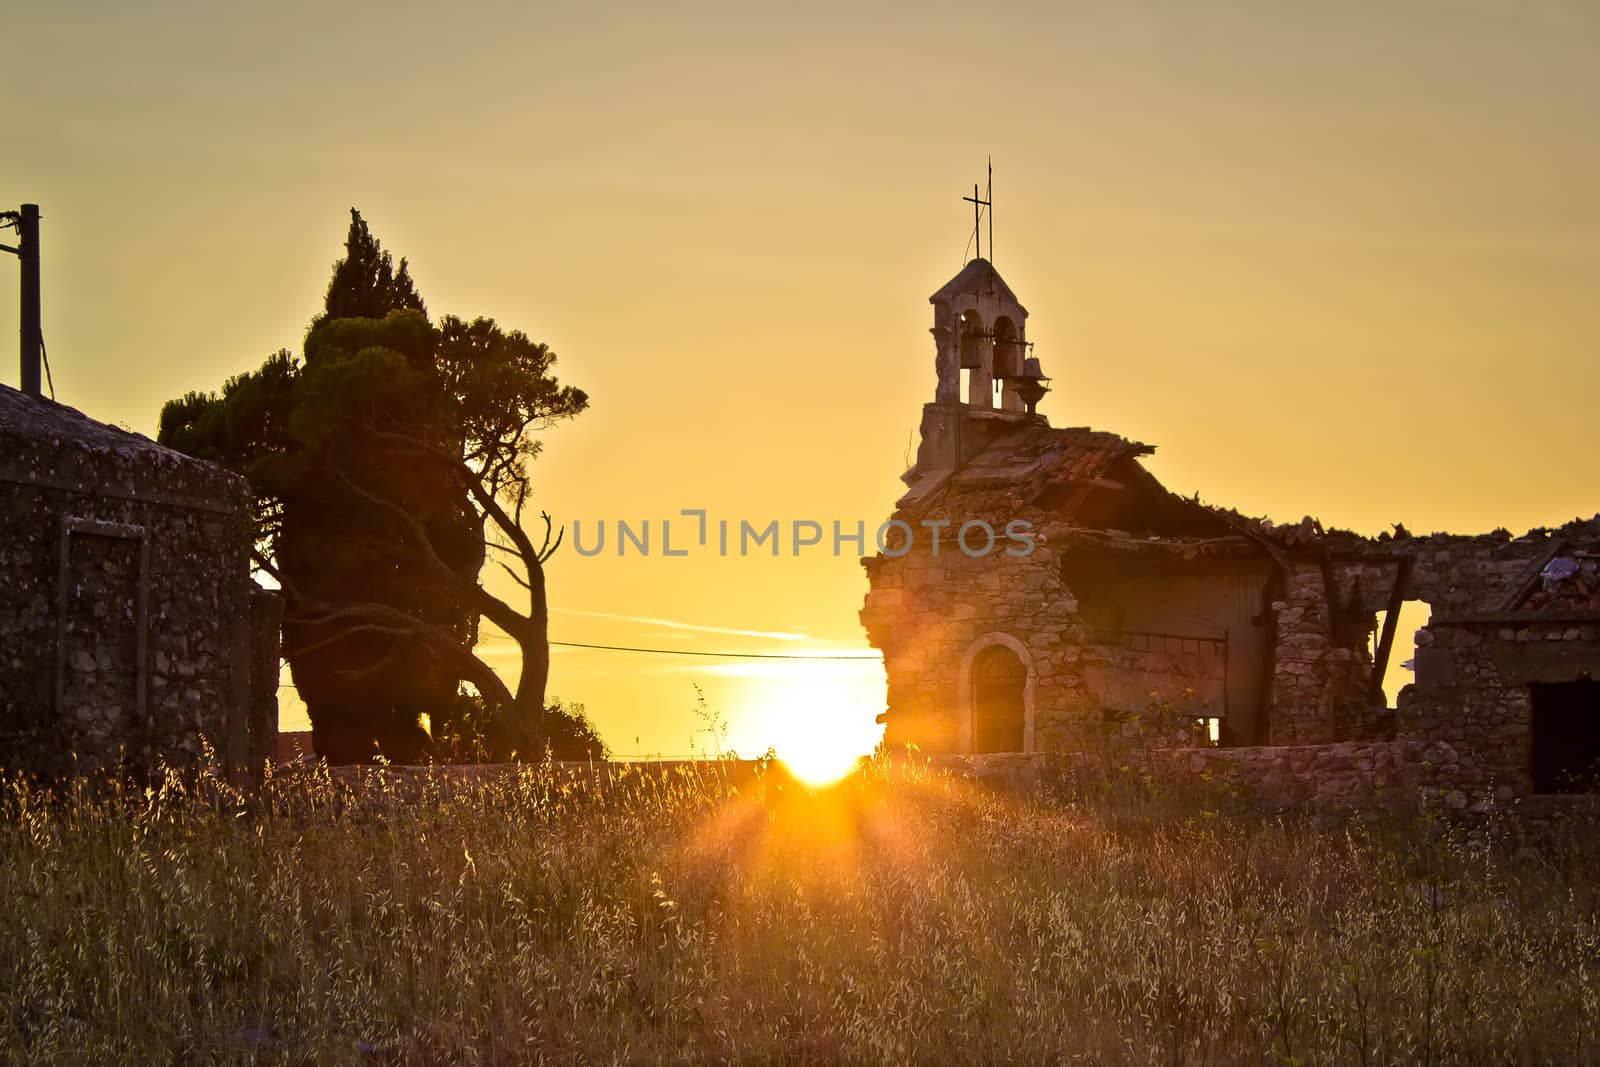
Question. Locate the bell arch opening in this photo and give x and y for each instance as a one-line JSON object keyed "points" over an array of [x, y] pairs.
{"points": [[976, 368]]}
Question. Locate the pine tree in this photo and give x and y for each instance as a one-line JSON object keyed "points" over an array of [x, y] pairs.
{"points": [[365, 283], [378, 460]]}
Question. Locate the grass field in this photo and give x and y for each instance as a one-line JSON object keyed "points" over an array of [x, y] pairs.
{"points": [[903, 917]]}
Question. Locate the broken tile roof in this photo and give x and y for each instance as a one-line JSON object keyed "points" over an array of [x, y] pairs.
{"points": [[1020, 464], [1566, 583], [1307, 531], [1013, 472], [1064, 455]]}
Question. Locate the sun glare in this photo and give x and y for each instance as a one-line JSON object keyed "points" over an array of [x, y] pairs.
{"points": [[822, 763], [820, 716]]}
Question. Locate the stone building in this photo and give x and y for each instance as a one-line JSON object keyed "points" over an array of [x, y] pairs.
{"points": [[130, 630], [1251, 645]]}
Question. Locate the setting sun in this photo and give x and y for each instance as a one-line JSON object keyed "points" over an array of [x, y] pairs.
{"points": [[821, 762], [820, 713]]}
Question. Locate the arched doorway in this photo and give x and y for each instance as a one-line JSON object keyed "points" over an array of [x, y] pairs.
{"points": [[999, 709]]}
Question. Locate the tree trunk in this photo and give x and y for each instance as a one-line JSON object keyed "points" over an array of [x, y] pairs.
{"points": [[528, 706], [533, 639]]}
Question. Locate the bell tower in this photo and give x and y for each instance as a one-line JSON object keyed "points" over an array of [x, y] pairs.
{"points": [[980, 332], [987, 381]]}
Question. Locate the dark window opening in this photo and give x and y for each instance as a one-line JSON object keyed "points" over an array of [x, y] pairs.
{"points": [[1566, 737], [998, 681]]}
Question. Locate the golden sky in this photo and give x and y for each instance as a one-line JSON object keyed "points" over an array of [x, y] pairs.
{"points": [[1340, 259]]}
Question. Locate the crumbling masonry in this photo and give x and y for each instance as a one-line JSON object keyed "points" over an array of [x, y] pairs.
{"points": [[1256, 647]]}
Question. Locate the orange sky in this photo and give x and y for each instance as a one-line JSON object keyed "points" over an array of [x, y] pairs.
{"points": [[1340, 260]]}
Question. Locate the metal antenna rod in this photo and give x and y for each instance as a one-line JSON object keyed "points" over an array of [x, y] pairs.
{"points": [[989, 193]]}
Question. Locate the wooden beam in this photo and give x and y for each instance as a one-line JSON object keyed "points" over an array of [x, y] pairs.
{"points": [[1391, 619], [1075, 498], [1530, 577]]}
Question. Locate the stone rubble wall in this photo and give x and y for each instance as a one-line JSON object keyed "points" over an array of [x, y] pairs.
{"points": [[1472, 692], [1325, 782], [1323, 666], [133, 521], [1453, 574], [1325, 779], [1313, 680], [1461, 735], [1332, 780], [925, 612]]}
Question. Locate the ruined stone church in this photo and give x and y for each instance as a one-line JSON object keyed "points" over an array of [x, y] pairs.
{"points": [[1251, 642]]}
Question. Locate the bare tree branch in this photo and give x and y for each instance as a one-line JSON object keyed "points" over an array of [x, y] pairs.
{"points": [[498, 547], [466, 589], [351, 675], [349, 631], [515, 577], [547, 549], [435, 640]]}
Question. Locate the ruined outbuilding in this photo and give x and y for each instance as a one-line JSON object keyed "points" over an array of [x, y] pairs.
{"points": [[131, 635], [1253, 646]]}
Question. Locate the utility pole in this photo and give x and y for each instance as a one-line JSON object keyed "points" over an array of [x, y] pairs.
{"points": [[32, 335], [26, 222]]}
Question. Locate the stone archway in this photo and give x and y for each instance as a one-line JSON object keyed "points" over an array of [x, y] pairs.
{"points": [[995, 694]]}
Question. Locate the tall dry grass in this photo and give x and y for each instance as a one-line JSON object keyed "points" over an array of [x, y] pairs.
{"points": [[903, 917]]}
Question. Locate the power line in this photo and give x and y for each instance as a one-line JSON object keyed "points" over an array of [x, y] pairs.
{"points": [[860, 657]]}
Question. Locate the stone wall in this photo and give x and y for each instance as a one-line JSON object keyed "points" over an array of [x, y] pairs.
{"points": [[1297, 676], [1454, 574], [125, 613], [1462, 736], [1325, 781], [1333, 780], [1472, 693], [1321, 678], [930, 613], [927, 612], [1329, 779]]}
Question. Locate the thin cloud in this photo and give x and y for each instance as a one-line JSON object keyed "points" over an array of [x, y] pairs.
{"points": [[673, 624], [812, 670]]}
